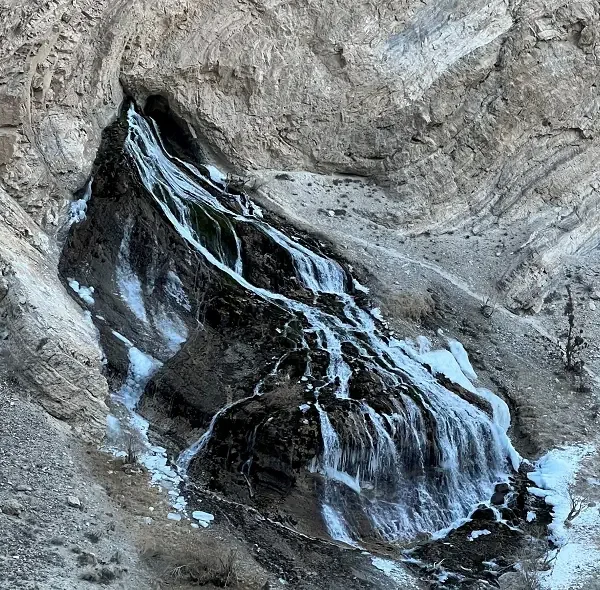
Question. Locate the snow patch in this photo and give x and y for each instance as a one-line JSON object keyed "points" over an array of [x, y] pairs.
{"points": [[86, 294], [215, 174], [204, 518], [554, 474], [359, 287], [476, 534], [393, 570], [78, 208], [122, 338], [576, 561]]}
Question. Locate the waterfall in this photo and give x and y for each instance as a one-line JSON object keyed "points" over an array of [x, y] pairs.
{"points": [[412, 458]]}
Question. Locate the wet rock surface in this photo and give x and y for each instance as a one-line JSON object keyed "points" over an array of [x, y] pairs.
{"points": [[237, 345]]}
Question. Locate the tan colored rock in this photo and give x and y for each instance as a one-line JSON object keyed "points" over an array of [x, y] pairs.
{"points": [[8, 145], [46, 341], [467, 115]]}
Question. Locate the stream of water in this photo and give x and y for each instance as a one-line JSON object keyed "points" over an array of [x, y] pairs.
{"points": [[416, 466]]}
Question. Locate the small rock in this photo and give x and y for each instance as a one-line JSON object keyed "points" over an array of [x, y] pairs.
{"points": [[498, 498], [11, 507], [202, 516], [592, 306], [510, 581], [502, 488], [102, 574], [86, 558], [74, 502], [23, 488], [331, 213], [484, 513]]}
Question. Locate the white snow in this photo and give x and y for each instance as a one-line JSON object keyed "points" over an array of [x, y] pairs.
{"points": [[86, 294], [204, 518], [462, 358], [360, 287], [553, 476], [376, 313], [395, 571], [577, 559], [78, 209], [215, 174], [476, 534], [122, 338], [531, 516]]}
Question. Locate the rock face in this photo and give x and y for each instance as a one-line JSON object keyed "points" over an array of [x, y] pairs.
{"points": [[45, 338], [309, 406], [463, 113], [466, 113]]}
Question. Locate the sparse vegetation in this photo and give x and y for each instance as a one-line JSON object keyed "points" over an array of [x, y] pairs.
{"points": [[489, 305], [132, 451], [577, 506], [185, 562], [220, 573], [529, 569], [529, 575], [575, 343], [410, 305]]}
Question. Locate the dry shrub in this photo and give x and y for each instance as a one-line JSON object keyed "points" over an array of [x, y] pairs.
{"points": [[202, 564], [529, 576], [529, 568], [133, 450], [220, 572], [410, 305]]}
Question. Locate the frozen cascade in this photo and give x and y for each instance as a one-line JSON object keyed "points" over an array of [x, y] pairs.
{"points": [[78, 208], [129, 429], [128, 282], [417, 460]]}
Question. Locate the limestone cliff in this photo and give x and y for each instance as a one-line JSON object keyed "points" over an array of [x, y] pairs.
{"points": [[464, 113]]}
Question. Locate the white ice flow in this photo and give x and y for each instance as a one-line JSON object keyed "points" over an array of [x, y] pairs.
{"points": [[86, 294], [78, 209], [127, 426]]}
